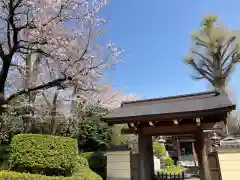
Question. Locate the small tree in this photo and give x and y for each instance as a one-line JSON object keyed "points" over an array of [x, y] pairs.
{"points": [[93, 135], [168, 162], [159, 149]]}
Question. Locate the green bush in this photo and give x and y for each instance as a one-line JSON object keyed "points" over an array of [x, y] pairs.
{"points": [[86, 155], [159, 149], [84, 174], [93, 135], [37, 153], [82, 161], [97, 162], [168, 161]]}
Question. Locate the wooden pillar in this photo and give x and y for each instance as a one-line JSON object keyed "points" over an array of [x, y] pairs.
{"points": [[194, 154], [178, 149], [145, 149], [201, 149]]}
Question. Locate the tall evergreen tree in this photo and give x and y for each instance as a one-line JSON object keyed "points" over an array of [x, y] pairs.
{"points": [[214, 53]]}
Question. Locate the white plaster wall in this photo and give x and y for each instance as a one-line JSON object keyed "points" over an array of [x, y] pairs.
{"points": [[157, 164], [230, 164], [118, 165]]}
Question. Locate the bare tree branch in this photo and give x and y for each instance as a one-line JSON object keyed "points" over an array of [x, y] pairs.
{"points": [[202, 56], [50, 84], [226, 46], [84, 51], [2, 54], [202, 72], [201, 42], [228, 56], [46, 100]]}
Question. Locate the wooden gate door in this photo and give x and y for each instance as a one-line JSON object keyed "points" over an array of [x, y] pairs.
{"points": [[214, 166]]}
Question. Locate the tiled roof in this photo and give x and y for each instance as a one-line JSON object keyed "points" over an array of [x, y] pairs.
{"points": [[176, 104]]}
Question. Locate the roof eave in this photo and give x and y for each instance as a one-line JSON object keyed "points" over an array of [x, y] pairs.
{"points": [[167, 116]]}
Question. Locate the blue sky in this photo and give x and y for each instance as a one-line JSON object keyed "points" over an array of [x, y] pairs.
{"points": [[155, 35]]}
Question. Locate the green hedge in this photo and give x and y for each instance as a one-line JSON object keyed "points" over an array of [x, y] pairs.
{"points": [[84, 174], [37, 153], [97, 162], [86, 155], [82, 161]]}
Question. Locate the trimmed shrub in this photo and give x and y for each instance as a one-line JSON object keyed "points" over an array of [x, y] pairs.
{"points": [[86, 155], [168, 161], [159, 149], [82, 161], [44, 154], [84, 174], [97, 162]]}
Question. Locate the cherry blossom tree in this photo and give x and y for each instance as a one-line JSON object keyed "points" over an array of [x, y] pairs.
{"points": [[59, 33]]}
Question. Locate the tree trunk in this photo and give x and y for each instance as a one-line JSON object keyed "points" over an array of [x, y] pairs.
{"points": [[220, 86], [3, 78], [54, 113]]}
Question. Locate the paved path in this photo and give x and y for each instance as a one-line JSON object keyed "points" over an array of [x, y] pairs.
{"points": [[194, 178]]}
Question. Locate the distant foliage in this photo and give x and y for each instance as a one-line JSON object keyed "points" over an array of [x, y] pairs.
{"points": [[117, 138], [10, 124], [51, 155], [159, 149], [93, 135]]}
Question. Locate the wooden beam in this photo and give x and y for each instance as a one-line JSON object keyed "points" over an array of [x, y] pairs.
{"points": [[208, 125], [198, 121], [171, 130], [129, 130], [189, 129], [136, 124], [151, 123], [135, 131]]}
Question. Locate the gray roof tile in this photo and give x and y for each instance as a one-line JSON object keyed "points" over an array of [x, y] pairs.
{"points": [[170, 105]]}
